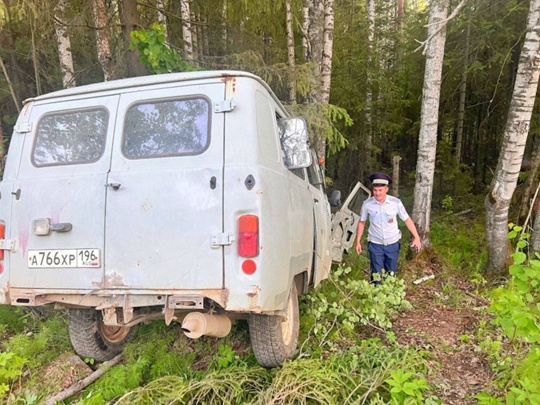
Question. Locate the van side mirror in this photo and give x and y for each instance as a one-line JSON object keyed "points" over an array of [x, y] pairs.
{"points": [[294, 142], [335, 198]]}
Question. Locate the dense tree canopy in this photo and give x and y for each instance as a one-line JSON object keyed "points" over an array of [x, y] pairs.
{"points": [[382, 66]]}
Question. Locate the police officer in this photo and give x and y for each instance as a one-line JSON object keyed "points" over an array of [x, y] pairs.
{"points": [[383, 233]]}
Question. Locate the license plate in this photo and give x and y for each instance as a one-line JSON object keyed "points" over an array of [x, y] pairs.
{"points": [[64, 258]]}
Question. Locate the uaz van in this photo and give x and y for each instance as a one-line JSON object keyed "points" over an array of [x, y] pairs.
{"points": [[189, 197]]}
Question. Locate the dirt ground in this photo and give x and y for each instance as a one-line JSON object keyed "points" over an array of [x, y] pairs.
{"points": [[443, 322]]}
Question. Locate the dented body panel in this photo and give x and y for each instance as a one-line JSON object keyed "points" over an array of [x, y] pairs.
{"points": [[154, 219]]}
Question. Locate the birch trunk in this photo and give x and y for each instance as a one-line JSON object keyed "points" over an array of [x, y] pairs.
{"points": [[306, 5], [162, 17], [463, 95], [327, 51], [290, 53], [102, 38], [504, 182], [224, 25], [186, 30], [427, 143], [368, 113], [64, 45]]}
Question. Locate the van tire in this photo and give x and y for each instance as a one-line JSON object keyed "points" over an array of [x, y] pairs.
{"points": [[274, 338], [91, 338]]}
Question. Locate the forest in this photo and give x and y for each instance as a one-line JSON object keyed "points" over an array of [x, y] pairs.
{"points": [[438, 93]]}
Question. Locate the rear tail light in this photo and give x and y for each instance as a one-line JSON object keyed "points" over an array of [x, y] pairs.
{"points": [[248, 236], [2, 235]]}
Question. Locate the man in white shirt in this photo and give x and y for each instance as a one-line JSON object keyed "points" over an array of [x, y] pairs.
{"points": [[383, 233]]}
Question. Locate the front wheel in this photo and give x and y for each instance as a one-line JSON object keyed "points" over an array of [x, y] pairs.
{"points": [[90, 337], [274, 338]]}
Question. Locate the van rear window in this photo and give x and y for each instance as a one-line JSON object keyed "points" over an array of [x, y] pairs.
{"points": [[70, 137], [167, 128]]}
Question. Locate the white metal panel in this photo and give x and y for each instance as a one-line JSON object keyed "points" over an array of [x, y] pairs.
{"points": [[161, 218], [72, 194]]}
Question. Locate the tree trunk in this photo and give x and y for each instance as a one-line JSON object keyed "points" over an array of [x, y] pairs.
{"points": [[162, 18], [462, 95], [395, 175], [427, 143], [504, 182], [64, 45], [368, 113], [186, 30], [102, 38], [291, 53], [10, 85], [306, 5], [129, 16], [224, 26]]}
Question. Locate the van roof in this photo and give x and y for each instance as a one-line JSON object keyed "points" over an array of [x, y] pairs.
{"points": [[147, 81]]}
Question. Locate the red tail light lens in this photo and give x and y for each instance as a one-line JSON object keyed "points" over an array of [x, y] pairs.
{"points": [[2, 234], [248, 236]]}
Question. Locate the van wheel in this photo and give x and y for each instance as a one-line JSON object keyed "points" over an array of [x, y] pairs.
{"points": [[91, 338], [274, 338]]}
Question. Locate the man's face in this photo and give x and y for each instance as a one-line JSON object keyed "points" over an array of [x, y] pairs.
{"points": [[379, 192]]}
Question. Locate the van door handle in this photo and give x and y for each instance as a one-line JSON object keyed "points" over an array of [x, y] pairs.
{"points": [[316, 201], [114, 186]]}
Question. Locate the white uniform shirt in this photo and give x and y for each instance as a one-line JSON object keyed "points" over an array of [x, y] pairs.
{"points": [[383, 225]]}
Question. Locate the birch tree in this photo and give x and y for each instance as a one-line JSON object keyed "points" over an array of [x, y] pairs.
{"points": [[326, 57], [64, 45], [186, 30], [516, 130], [429, 116], [290, 52], [102, 38], [463, 93], [368, 113]]}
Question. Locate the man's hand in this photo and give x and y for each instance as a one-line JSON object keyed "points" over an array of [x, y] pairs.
{"points": [[358, 247], [417, 244]]}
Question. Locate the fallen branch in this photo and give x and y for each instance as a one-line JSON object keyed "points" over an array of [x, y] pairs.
{"points": [[478, 298], [80, 385]]}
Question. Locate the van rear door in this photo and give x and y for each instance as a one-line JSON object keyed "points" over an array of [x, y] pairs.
{"points": [[58, 197], [164, 221]]}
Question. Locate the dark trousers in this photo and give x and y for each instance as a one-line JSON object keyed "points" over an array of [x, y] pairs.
{"points": [[383, 257]]}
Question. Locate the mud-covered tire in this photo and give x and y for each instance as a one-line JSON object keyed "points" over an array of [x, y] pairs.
{"points": [[91, 338], [274, 338]]}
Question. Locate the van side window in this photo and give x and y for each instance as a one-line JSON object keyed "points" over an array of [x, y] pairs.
{"points": [[70, 138], [167, 128], [314, 172]]}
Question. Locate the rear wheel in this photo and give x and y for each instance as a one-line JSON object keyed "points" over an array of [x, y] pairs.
{"points": [[90, 337], [274, 338]]}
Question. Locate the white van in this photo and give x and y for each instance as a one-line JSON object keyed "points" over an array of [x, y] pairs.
{"points": [[189, 197]]}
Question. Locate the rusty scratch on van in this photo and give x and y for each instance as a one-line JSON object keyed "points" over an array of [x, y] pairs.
{"points": [[230, 85]]}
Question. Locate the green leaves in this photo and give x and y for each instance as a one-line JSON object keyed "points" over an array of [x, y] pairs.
{"points": [[404, 387], [11, 367], [154, 53]]}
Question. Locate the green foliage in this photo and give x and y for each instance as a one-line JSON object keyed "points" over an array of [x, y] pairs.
{"points": [[155, 54], [11, 367], [351, 302], [323, 123], [404, 386]]}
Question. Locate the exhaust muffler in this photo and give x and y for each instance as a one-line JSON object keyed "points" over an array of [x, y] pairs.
{"points": [[197, 324]]}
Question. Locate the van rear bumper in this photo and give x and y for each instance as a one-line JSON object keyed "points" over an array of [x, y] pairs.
{"points": [[123, 303], [101, 299]]}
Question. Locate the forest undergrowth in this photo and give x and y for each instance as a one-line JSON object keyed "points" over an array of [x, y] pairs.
{"points": [[457, 338]]}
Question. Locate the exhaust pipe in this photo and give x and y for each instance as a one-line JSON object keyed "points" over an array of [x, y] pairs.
{"points": [[197, 324]]}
